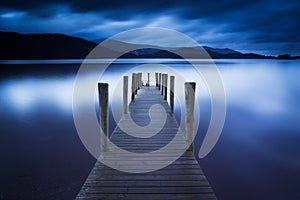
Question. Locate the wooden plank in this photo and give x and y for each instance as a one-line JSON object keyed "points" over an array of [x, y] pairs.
{"points": [[149, 190], [142, 183], [203, 196], [150, 178]]}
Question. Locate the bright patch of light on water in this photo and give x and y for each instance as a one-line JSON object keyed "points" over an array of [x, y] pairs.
{"points": [[260, 88], [24, 95]]}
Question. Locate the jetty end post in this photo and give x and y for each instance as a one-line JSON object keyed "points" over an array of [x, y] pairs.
{"points": [[156, 79], [162, 83], [148, 80], [133, 86], [125, 94], [103, 102], [190, 88], [140, 82], [137, 82], [166, 87], [172, 83], [159, 81]]}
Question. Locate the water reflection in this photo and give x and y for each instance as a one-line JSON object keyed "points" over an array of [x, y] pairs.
{"points": [[258, 151], [26, 94]]}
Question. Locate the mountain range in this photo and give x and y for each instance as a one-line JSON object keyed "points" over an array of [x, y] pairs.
{"points": [[59, 46]]}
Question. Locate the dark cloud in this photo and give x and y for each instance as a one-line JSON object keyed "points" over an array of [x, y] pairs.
{"points": [[115, 9], [244, 25], [189, 9]]}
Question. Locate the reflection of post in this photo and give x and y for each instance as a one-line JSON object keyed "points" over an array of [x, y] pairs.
{"points": [[133, 86], [159, 81], [125, 94], [189, 112], [156, 79], [162, 83], [103, 102], [166, 87], [172, 79], [148, 81]]}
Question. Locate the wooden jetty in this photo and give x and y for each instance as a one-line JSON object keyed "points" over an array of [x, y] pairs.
{"points": [[181, 179]]}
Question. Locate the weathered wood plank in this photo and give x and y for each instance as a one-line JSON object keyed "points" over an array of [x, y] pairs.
{"points": [[148, 190], [141, 183], [203, 196]]}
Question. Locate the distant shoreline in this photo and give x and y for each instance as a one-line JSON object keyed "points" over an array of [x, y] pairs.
{"points": [[17, 46], [122, 60]]}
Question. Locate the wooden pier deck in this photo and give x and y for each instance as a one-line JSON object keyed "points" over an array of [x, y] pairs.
{"points": [[182, 179]]}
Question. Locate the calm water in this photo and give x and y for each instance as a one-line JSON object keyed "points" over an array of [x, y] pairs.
{"points": [[256, 157]]}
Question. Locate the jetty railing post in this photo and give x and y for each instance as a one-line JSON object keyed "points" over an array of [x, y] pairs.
{"points": [[133, 86], [166, 87], [140, 80], [125, 94], [172, 82], [136, 88], [103, 102], [162, 83], [148, 81], [137, 83], [159, 81], [156, 79], [190, 88]]}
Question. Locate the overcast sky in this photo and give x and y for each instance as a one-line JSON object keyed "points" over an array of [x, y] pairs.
{"points": [[267, 27]]}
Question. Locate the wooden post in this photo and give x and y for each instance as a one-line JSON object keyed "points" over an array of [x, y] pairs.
{"points": [[148, 81], [189, 112], [125, 94], [103, 102], [166, 87], [159, 81], [140, 80], [136, 87], [172, 83], [133, 86], [137, 82], [156, 79], [162, 83]]}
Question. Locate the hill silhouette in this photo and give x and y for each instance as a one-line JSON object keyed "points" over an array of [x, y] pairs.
{"points": [[42, 46], [59, 46]]}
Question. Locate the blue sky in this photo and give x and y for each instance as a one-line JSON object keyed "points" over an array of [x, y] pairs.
{"points": [[258, 26]]}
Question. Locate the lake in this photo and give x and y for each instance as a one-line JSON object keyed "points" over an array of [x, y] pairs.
{"points": [[256, 156]]}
